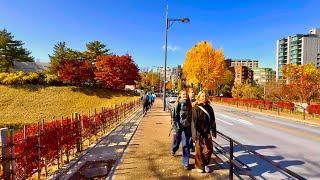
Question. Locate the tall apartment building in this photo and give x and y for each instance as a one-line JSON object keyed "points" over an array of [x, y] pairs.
{"points": [[298, 49], [176, 74], [263, 76], [250, 63], [243, 74], [168, 73]]}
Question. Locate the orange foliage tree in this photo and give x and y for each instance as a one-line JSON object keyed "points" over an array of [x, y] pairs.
{"points": [[169, 85], [115, 72], [304, 80], [203, 65], [76, 72]]}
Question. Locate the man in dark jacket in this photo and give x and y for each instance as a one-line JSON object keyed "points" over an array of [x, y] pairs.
{"points": [[181, 122]]}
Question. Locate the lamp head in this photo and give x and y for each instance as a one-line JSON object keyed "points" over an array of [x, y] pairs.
{"points": [[185, 20]]}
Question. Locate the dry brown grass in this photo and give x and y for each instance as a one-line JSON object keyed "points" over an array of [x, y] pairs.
{"points": [[28, 104]]}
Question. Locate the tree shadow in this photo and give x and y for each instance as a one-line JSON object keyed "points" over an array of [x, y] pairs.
{"points": [[102, 92], [257, 166], [30, 87]]}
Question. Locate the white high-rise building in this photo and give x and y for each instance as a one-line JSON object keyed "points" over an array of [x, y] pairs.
{"points": [[298, 49]]}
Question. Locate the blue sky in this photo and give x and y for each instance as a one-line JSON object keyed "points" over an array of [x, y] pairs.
{"points": [[243, 29]]}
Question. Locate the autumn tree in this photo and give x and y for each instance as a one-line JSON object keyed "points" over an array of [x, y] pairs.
{"points": [[115, 72], [11, 50], [225, 87], [304, 80], [149, 80], [169, 85], [62, 53], [276, 91], [205, 66], [247, 90], [76, 72]]}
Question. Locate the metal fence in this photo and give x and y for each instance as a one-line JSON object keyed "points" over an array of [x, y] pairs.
{"points": [[236, 164], [38, 146]]}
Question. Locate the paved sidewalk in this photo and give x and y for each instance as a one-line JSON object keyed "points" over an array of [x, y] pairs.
{"points": [[148, 153], [105, 152]]}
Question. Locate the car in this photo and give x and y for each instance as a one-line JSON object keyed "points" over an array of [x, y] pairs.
{"points": [[173, 98]]}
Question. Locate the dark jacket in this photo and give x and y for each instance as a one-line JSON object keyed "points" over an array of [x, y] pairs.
{"points": [[200, 124], [177, 113]]}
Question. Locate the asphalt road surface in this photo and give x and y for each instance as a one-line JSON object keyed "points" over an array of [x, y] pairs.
{"points": [[294, 145]]}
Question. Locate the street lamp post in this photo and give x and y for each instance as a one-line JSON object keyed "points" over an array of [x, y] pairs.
{"points": [[169, 22]]}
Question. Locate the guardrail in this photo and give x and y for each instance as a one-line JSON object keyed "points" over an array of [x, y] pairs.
{"points": [[235, 163]]}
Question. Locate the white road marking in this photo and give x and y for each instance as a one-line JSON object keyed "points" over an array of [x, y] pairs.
{"points": [[236, 119], [245, 122], [224, 121]]}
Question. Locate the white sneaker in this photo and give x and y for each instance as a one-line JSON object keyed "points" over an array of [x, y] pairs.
{"points": [[200, 170], [206, 169]]}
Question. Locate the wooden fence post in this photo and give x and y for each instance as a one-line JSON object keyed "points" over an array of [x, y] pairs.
{"points": [[124, 110], [76, 118], [89, 129], [39, 151], [5, 158], [25, 145], [13, 158], [81, 130], [94, 120], [45, 159]]}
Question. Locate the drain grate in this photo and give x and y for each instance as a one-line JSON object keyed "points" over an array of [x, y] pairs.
{"points": [[94, 170]]}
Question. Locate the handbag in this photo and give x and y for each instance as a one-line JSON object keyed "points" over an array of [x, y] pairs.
{"points": [[206, 112]]}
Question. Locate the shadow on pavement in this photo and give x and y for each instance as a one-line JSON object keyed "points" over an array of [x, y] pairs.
{"points": [[258, 166]]}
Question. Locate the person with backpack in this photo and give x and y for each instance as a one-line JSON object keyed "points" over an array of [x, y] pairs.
{"points": [[181, 122], [203, 127], [145, 103]]}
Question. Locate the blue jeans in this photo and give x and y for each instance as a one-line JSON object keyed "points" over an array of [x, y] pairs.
{"points": [[184, 136]]}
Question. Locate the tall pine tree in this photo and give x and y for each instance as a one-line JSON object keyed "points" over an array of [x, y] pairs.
{"points": [[94, 49], [11, 50], [62, 53]]}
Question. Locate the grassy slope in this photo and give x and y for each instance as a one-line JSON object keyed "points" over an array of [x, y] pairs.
{"points": [[25, 105]]}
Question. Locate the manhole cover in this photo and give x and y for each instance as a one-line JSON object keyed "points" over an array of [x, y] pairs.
{"points": [[95, 169]]}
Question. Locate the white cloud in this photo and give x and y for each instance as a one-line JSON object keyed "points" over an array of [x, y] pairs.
{"points": [[172, 48]]}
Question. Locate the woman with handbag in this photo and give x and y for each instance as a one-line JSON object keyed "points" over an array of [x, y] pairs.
{"points": [[203, 128]]}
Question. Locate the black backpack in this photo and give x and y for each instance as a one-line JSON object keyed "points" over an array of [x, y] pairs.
{"points": [[184, 114]]}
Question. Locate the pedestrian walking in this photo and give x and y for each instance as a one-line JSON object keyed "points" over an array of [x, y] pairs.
{"points": [[145, 103], [203, 128], [181, 124], [192, 98]]}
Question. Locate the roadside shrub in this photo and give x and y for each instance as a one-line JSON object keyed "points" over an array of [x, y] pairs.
{"points": [[51, 79], [20, 78]]}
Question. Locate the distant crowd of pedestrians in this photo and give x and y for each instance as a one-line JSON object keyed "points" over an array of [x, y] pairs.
{"points": [[147, 100]]}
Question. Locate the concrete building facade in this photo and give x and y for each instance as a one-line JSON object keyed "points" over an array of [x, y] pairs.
{"points": [[243, 74], [298, 49], [263, 76], [250, 63]]}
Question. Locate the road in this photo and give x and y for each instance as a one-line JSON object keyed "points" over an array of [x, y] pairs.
{"points": [[295, 146]]}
